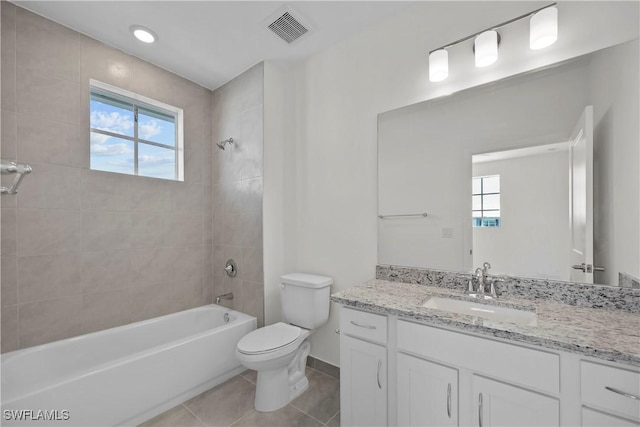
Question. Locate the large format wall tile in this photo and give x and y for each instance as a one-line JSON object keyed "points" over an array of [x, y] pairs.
{"points": [[86, 250], [50, 98], [50, 187], [48, 231], [49, 277], [45, 141], [51, 51], [51, 320]]}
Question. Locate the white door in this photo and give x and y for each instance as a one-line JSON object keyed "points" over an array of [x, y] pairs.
{"points": [[363, 383], [581, 198], [427, 393], [500, 404]]}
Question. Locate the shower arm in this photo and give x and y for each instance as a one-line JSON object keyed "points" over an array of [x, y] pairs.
{"points": [[7, 168]]}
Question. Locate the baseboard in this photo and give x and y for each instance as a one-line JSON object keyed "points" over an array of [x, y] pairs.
{"points": [[324, 367]]}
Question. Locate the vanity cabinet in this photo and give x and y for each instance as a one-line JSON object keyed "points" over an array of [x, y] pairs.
{"points": [[442, 377], [363, 369], [610, 396], [427, 393], [505, 385], [501, 404]]}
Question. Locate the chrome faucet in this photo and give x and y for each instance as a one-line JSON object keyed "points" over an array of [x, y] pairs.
{"points": [[224, 297], [482, 282], [479, 281], [485, 273]]}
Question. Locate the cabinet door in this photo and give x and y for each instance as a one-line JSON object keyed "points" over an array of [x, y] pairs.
{"points": [[591, 418], [499, 404], [427, 393], [363, 383]]}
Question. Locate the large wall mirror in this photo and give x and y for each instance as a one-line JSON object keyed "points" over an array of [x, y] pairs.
{"points": [[537, 174]]}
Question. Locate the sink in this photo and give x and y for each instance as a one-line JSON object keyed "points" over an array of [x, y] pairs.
{"points": [[514, 315]]}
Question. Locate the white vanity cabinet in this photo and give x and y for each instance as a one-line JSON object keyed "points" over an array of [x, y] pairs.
{"points": [[501, 384], [501, 404], [363, 368], [427, 393], [441, 377], [610, 396]]}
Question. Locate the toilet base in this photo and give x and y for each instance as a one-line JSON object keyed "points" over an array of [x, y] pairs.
{"points": [[275, 388]]}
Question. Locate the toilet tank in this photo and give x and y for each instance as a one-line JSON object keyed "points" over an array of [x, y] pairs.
{"points": [[305, 299]]}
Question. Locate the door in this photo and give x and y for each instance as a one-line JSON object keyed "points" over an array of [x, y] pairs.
{"points": [[427, 393], [581, 198], [500, 404], [363, 383]]}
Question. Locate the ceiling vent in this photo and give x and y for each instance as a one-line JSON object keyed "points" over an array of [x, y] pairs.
{"points": [[287, 25]]}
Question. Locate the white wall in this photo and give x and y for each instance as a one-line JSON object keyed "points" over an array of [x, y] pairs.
{"points": [[279, 197], [534, 235], [617, 147], [340, 91]]}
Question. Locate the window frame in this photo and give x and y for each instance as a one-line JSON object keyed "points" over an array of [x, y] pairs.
{"points": [[482, 210], [138, 101]]}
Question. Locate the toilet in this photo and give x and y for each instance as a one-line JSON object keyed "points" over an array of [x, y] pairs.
{"points": [[279, 351]]}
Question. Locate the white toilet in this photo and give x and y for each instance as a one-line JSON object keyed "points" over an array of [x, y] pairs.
{"points": [[279, 351]]}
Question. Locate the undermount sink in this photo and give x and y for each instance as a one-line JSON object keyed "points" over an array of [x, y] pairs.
{"points": [[490, 312]]}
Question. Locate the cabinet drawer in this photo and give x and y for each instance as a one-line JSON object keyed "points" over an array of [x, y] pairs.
{"points": [[372, 327], [531, 368], [591, 418], [605, 387]]}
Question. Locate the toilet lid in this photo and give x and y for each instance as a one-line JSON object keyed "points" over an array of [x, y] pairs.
{"points": [[268, 338]]}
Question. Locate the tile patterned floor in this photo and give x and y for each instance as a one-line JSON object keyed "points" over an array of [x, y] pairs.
{"points": [[231, 404]]}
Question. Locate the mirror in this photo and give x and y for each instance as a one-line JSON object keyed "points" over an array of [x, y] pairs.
{"points": [[529, 222]]}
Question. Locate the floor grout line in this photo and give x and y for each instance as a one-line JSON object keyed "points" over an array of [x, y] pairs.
{"points": [[194, 415], [331, 419]]}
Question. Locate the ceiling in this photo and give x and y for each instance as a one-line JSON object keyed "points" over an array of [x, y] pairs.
{"points": [[211, 42]]}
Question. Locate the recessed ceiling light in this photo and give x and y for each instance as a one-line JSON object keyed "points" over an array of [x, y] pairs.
{"points": [[143, 34]]}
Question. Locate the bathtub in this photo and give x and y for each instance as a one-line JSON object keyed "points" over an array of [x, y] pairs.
{"points": [[124, 375]]}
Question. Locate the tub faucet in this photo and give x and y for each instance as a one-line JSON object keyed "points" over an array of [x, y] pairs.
{"points": [[223, 297]]}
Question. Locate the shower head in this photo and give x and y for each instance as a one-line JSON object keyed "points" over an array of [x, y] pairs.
{"points": [[222, 144]]}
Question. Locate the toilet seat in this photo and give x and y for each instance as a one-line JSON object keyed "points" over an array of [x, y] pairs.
{"points": [[269, 339]]}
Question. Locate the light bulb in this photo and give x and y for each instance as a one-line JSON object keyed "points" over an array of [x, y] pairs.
{"points": [[543, 30], [486, 48], [143, 34], [438, 65]]}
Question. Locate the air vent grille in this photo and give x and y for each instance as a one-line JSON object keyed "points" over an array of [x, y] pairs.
{"points": [[288, 28]]}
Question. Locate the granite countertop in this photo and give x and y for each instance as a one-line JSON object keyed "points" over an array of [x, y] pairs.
{"points": [[607, 334]]}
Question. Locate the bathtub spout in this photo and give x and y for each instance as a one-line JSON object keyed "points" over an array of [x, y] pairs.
{"points": [[223, 297]]}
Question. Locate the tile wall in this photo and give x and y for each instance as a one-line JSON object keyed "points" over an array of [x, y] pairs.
{"points": [[84, 250], [237, 109]]}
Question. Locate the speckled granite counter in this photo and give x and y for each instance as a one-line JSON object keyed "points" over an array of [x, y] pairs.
{"points": [[607, 334]]}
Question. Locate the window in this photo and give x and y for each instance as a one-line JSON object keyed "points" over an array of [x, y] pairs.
{"points": [[134, 135], [485, 201]]}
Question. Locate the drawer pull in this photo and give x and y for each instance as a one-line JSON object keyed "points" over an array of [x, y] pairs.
{"points": [[361, 325], [630, 396], [480, 410], [379, 367], [449, 400]]}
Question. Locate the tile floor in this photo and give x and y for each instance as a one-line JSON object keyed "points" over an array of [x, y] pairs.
{"points": [[231, 404]]}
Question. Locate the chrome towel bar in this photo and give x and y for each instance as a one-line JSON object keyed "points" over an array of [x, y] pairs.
{"points": [[423, 214], [8, 167]]}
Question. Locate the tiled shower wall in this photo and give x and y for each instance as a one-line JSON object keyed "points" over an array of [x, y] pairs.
{"points": [[237, 109], [84, 250]]}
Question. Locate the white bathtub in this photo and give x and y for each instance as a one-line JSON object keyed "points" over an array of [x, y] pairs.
{"points": [[124, 375]]}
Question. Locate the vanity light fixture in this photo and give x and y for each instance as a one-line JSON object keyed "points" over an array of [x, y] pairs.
{"points": [[143, 34], [438, 65], [543, 32], [485, 48]]}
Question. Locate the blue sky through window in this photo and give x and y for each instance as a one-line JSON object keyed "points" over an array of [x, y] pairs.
{"points": [[113, 154]]}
